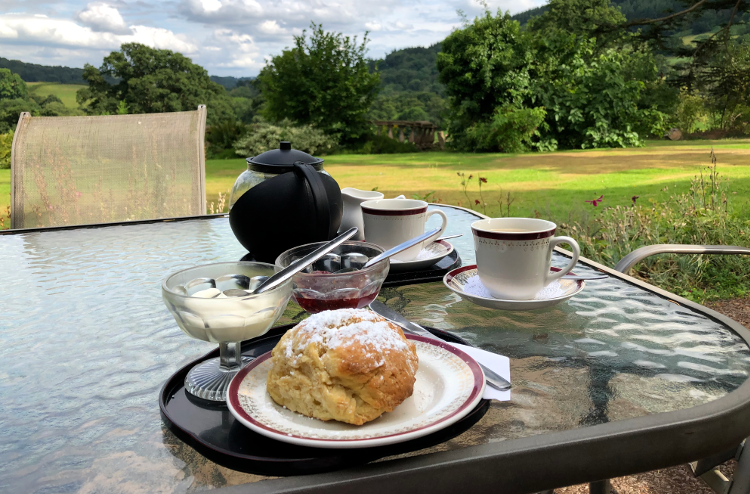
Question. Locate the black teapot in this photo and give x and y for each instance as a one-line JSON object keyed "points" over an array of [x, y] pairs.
{"points": [[283, 199]]}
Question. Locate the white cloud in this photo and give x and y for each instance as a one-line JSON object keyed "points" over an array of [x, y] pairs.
{"points": [[210, 5], [271, 27], [217, 11], [240, 49], [227, 37], [103, 18], [42, 31]]}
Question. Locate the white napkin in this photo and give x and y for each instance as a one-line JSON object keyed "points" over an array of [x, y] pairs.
{"points": [[497, 363], [400, 197]]}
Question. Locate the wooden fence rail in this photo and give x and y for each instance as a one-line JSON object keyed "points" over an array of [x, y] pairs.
{"points": [[421, 133]]}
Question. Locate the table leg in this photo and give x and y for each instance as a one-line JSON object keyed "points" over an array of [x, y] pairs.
{"points": [[741, 479], [600, 487]]}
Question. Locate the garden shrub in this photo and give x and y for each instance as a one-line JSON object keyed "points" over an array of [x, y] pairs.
{"points": [[691, 111], [222, 136], [264, 136], [702, 216], [509, 130], [6, 141]]}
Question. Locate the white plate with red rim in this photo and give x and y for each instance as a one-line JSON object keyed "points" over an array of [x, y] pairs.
{"points": [[429, 255], [466, 278], [449, 384]]}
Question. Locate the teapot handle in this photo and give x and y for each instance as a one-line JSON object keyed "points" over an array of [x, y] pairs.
{"points": [[320, 197]]}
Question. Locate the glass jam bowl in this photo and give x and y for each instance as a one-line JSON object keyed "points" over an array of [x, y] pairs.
{"points": [[223, 320], [319, 288]]}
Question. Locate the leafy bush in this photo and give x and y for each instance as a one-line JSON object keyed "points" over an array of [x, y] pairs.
{"points": [[224, 154], [690, 111], [6, 141], [699, 216], [264, 136], [223, 135], [510, 130]]}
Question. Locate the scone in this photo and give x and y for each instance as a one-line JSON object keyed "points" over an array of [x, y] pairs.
{"points": [[349, 365]]}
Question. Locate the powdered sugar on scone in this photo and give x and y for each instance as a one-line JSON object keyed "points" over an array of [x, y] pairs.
{"points": [[349, 365], [342, 327]]}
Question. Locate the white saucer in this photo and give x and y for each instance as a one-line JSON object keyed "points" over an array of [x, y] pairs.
{"points": [[431, 254], [449, 385], [457, 280]]}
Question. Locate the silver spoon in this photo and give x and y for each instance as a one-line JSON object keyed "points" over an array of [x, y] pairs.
{"points": [[260, 284], [584, 277], [449, 236], [401, 247]]}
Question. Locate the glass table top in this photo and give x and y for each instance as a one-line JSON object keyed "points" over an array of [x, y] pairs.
{"points": [[86, 344]]}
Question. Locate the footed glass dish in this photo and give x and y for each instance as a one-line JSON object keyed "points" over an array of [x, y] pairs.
{"points": [[320, 287], [195, 298]]}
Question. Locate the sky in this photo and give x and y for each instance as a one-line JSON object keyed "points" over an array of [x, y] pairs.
{"points": [[227, 37]]}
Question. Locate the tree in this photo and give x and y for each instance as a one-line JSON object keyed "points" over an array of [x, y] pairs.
{"points": [[151, 81], [509, 89], [323, 81], [581, 17], [484, 66], [726, 80], [12, 86], [11, 109]]}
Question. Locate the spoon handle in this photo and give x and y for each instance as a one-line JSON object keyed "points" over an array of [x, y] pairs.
{"points": [[585, 277], [401, 247], [310, 258], [449, 236]]}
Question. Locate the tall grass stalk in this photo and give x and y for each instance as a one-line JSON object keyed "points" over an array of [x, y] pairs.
{"points": [[701, 215]]}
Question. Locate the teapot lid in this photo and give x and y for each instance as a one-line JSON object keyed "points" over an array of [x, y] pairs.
{"points": [[282, 160]]}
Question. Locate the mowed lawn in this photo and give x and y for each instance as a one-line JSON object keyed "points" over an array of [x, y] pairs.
{"points": [[556, 185], [66, 92]]}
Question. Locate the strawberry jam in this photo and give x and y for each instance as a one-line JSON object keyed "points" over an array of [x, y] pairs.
{"points": [[315, 305]]}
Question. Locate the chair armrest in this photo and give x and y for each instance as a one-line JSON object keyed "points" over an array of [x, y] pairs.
{"points": [[638, 255]]}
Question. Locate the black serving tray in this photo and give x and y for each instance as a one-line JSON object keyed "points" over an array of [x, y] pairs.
{"points": [[212, 430], [433, 273]]}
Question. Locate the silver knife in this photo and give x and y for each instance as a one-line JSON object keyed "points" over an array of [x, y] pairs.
{"points": [[493, 378]]}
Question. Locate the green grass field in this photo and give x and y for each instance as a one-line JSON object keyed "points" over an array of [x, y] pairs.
{"points": [[66, 92], [556, 185]]}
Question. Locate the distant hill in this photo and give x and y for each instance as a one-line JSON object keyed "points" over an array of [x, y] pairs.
{"points": [[409, 86], [229, 82], [650, 9], [410, 69], [31, 72]]}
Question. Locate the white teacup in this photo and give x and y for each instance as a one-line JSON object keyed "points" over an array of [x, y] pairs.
{"points": [[514, 254], [389, 222]]}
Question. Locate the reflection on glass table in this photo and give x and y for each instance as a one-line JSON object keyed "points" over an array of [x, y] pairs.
{"points": [[87, 303]]}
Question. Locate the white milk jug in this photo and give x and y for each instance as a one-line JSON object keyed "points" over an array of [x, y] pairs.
{"points": [[353, 212]]}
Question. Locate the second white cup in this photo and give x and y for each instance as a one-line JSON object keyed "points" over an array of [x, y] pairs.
{"points": [[514, 254], [389, 222]]}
